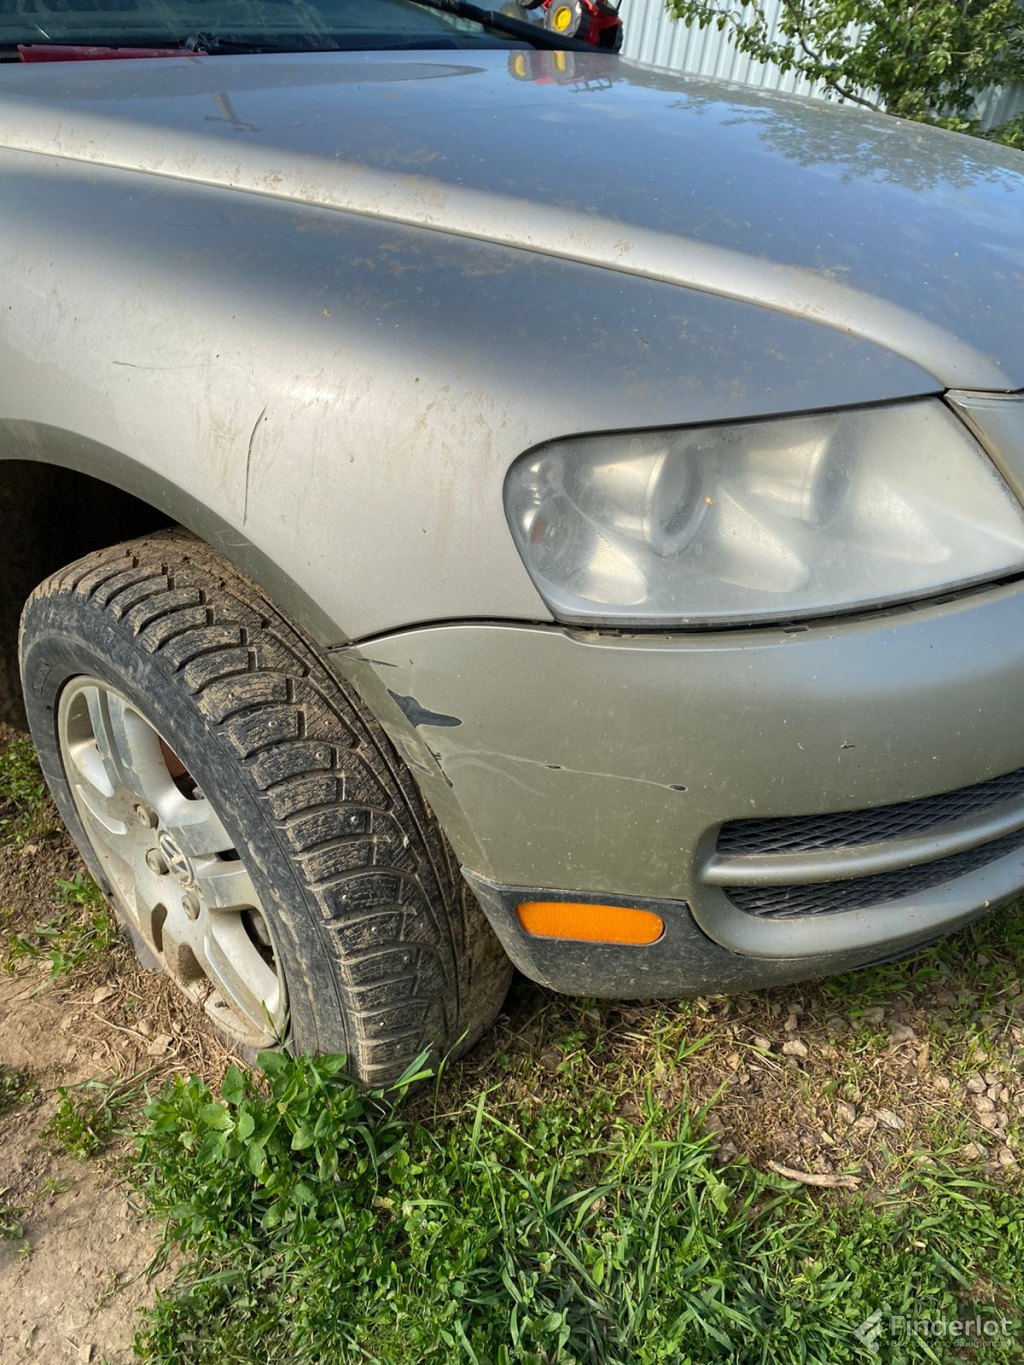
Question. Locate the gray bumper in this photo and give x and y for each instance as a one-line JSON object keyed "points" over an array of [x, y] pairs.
{"points": [[608, 765]]}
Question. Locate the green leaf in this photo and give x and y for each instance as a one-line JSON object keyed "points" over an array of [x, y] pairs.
{"points": [[233, 1087], [215, 1115], [274, 1063], [256, 1158]]}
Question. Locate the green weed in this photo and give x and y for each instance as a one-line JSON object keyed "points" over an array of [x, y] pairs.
{"points": [[88, 1116], [25, 809], [17, 1087], [80, 932], [11, 1227], [322, 1223]]}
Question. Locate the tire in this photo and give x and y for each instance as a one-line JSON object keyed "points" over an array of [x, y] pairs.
{"points": [[564, 17], [156, 670]]}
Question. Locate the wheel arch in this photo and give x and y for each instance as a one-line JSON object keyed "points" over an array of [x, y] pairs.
{"points": [[63, 495]]}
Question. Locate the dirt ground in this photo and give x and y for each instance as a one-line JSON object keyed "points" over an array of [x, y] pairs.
{"points": [[74, 1284], [71, 1288]]}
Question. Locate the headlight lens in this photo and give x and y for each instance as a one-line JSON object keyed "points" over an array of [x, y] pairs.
{"points": [[774, 519]]}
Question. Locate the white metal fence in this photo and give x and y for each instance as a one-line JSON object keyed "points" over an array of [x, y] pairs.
{"points": [[999, 104], [651, 36]]}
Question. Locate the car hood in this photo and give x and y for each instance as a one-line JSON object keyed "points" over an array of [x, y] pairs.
{"points": [[903, 235]]}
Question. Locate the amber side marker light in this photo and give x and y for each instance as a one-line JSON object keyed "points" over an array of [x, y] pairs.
{"points": [[590, 923]]}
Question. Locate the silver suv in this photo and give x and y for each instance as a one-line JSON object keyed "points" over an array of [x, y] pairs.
{"points": [[470, 501]]}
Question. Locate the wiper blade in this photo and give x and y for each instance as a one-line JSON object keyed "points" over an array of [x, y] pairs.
{"points": [[212, 45], [198, 45], [501, 23], [80, 52], [208, 45]]}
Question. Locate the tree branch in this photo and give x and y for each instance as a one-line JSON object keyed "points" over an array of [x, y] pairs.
{"points": [[832, 83]]}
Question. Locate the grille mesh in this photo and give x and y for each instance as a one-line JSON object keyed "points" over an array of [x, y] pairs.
{"points": [[847, 829], [822, 898]]}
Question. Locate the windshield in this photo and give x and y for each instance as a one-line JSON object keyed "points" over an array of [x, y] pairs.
{"points": [[260, 25]]}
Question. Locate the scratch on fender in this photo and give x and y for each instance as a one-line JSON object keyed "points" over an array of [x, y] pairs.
{"points": [[248, 463]]}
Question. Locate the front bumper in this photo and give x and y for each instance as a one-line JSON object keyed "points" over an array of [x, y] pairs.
{"points": [[603, 764]]}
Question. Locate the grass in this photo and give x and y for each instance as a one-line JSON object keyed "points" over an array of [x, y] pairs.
{"points": [[12, 1229], [597, 1189], [12, 1216], [88, 1116], [320, 1223], [82, 930], [17, 1087], [26, 812]]}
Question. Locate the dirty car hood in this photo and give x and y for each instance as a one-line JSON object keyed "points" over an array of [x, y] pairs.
{"points": [[901, 234]]}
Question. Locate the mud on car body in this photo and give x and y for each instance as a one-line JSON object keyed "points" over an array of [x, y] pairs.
{"points": [[457, 519]]}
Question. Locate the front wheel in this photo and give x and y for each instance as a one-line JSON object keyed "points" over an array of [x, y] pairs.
{"points": [[251, 823]]}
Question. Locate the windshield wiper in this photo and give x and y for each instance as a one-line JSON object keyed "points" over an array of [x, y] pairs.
{"points": [[198, 45], [208, 45], [82, 52], [501, 23]]}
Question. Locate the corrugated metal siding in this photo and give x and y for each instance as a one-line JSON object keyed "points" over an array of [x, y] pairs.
{"points": [[998, 104], [652, 36]]}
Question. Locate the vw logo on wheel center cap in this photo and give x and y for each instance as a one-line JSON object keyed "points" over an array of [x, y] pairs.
{"points": [[177, 864]]}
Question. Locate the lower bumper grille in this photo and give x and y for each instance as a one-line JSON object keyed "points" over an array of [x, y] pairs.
{"points": [[853, 860], [823, 898], [845, 829]]}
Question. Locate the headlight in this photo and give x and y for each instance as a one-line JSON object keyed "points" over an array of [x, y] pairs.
{"points": [[787, 517]]}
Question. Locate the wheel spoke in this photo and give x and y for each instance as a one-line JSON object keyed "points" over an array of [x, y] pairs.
{"points": [[195, 826], [182, 947], [228, 886], [104, 746], [137, 753], [105, 809], [236, 968]]}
